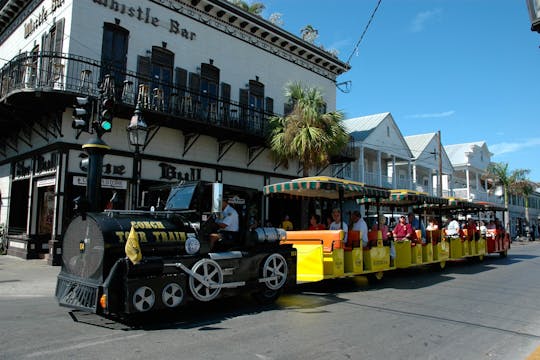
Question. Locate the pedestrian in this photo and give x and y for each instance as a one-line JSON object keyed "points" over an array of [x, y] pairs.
{"points": [[286, 224]]}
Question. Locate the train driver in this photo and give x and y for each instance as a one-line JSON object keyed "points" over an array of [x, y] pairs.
{"points": [[228, 233]]}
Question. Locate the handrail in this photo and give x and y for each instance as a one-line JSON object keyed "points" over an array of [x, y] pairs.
{"points": [[80, 76]]}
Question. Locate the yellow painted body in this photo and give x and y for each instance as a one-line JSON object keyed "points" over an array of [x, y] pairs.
{"points": [[334, 264], [441, 252], [403, 254], [377, 258], [481, 246], [427, 252], [354, 261], [416, 254], [309, 262], [456, 248]]}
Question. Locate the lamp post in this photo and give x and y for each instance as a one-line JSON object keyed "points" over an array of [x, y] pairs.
{"points": [[137, 132], [534, 14]]}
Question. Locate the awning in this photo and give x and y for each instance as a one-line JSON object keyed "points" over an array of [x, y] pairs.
{"points": [[405, 197], [325, 187]]}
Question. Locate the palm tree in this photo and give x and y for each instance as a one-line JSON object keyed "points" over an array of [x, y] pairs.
{"points": [[255, 8], [524, 187], [307, 133], [508, 180]]}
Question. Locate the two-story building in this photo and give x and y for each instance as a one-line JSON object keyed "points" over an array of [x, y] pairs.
{"points": [[206, 74]]}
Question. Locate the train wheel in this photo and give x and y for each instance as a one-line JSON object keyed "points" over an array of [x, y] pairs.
{"points": [[274, 276], [274, 272], [205, 283], [172, 295], [144, 299], [375, 277]]}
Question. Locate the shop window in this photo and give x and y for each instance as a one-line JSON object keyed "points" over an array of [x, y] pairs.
{"points": [[45, 210]]}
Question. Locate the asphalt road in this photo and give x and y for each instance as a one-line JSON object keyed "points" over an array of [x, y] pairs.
{"points": [[488, 310]]}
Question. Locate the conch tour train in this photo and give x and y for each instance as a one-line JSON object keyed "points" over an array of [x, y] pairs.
{"points": [[119, 263]]}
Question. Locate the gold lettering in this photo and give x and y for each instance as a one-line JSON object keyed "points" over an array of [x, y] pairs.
{"points": [[121, 236]]}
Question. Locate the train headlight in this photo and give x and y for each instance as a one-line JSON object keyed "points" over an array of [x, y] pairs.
{"points": [[192, 245]]}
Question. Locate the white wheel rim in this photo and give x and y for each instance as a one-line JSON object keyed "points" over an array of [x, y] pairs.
{"points": [[144, 299], [172, 295], [275, 271], [212, 279]]}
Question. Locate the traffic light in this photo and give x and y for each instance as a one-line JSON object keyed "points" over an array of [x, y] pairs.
{"points": [[106, 115], [81, 113]]}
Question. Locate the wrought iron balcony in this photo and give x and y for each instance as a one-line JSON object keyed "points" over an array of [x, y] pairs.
{"points": [[64, 76]]}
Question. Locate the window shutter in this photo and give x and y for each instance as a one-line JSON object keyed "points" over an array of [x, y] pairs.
{"points": [[144, 67], [180, 78], [194, 83], [287, 108], [244, 100], [59, 37], [269, 105], [225, 91]]}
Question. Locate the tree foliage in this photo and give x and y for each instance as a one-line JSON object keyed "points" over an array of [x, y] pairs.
{"points": [[307, 133], [255, 8]]}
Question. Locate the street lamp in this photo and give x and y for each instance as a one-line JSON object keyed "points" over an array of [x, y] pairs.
{"points": [[137, 132], [534, 14]]}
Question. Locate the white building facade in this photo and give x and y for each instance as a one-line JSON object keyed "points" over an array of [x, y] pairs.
{"points": [[206, 74]]}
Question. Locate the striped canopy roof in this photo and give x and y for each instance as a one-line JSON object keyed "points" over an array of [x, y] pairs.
{"points": [[404, 197], [325, 187]]}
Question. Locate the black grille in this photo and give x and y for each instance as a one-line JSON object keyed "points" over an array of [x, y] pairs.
{"points": [[75, 294]]}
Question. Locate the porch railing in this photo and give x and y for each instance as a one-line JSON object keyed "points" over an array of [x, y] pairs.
{"points": [[83, 76]]}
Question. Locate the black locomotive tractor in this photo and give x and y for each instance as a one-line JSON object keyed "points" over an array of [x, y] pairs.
{"points": [[176, 265]]}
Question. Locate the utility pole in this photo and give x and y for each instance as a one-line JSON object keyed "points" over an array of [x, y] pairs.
{"points": [[439, 178]]}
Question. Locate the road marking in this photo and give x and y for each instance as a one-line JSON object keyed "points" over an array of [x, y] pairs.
{"points": [[81, 346], [535, 355]]}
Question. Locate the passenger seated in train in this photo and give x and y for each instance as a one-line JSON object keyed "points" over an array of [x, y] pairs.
{"points": [[404, 231], [432, 224], [471, 230], [381, 226], [359, 224], [315, 223], [417, 224], [453, 228], [339, 224]]}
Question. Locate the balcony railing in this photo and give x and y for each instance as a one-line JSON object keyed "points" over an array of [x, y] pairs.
{"points": [[82, 76]]}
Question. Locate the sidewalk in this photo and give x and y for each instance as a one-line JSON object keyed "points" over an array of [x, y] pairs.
{"points": [[26, 278]]}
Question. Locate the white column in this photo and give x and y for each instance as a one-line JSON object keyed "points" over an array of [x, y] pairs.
{"points": [[414, 180], [394, 177], [361, 161], [467, 176], [379, 166]]}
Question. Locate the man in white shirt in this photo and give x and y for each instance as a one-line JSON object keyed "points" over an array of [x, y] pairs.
{"points": [[228, 227], [338, 223], [453, 227], [358, 224]]}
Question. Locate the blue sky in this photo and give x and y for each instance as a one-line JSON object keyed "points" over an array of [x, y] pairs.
{"points": [[464, 67]]}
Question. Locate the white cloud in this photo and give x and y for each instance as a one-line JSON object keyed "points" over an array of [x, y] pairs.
{"points": [[419, 22], [507, 147], [432, 115]]}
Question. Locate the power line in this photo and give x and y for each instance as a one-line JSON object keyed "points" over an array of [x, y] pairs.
{"points": [[364, 32]]}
